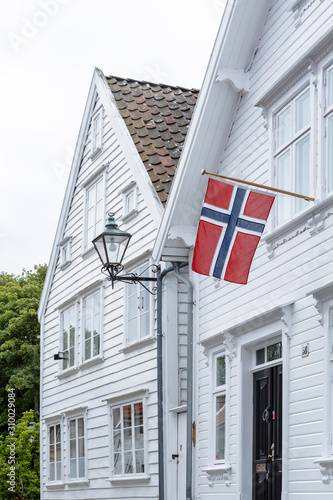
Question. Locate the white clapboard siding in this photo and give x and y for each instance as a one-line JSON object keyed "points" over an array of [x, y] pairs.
{"points": [[300, 264]]}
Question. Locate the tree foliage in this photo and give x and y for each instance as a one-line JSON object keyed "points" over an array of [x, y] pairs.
{"points": [[19, 340], [19, 461]]}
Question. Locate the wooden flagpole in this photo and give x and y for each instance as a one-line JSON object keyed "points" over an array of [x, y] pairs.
{"points": [[307, 198]]}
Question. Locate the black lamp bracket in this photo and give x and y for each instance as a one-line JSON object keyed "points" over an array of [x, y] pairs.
{"points": [[111, 273]]}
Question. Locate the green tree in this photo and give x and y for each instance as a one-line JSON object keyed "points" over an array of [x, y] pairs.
{"points": [[19, 460], [19, 340]]}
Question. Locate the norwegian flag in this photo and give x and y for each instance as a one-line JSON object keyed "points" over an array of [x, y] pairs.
{"points": [[231, 223]]}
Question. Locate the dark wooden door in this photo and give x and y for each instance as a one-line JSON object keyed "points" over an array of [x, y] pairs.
{"points": [[267, 434]]}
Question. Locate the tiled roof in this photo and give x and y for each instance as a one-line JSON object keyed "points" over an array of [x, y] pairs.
{"points": [[157, 117]]}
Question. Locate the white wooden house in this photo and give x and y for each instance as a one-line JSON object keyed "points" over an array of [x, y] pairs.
{"points": [[263, 351], [99, 416]]}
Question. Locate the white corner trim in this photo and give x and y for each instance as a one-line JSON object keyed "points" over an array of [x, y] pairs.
{"points": [[237, 78], [185, 233]]}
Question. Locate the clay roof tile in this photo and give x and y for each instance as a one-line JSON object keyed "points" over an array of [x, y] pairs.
{"points": [[157, 117]]}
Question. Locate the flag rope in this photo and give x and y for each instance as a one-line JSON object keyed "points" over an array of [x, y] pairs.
{"points": [[282, 191]]}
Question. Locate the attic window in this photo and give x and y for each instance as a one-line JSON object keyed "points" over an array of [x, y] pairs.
{"points": [[97, 132], [65, 252], [130, 201]]}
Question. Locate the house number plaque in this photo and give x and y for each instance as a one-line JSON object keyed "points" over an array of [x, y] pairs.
{"points": [[261, 467]]}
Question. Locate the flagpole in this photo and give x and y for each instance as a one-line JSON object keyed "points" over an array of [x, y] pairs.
{"points": [[307, 198]]}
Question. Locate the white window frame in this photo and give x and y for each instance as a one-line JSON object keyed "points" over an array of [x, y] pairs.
{"points": [[69, 368], [98, 175], [130, 190], [99, 218], [97, 357], [137, 396], [70, 415], [97, 120], [326, 116], [141, 293], [289, 99], [65, 249], [57, 482], [215, 392]]}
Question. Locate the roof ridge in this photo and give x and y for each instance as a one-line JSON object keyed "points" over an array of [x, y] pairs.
{"points": [[164, 85]]}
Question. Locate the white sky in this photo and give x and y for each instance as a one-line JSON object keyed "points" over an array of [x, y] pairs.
{"points": [[48, 51]]}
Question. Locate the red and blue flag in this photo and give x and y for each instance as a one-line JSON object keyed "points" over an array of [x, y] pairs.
{"points": [[231, 224]]}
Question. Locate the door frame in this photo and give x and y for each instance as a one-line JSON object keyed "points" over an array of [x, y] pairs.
{"points": [[270, 431], [247, 345]]}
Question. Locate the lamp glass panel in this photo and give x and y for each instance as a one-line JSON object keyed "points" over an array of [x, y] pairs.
{"points": [[116, 246]]}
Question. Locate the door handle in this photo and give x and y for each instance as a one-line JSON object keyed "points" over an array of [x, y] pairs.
{"points": [[272, 456], [174, 456]]}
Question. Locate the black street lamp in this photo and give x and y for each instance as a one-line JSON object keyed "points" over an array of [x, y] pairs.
{"points": [[111, 246]]}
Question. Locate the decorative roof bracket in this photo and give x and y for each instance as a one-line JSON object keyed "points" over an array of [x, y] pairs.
{"points": [[237, 78]]}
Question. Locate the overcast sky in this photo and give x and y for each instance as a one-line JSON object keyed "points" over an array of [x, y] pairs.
{"points": [[48, 51]]}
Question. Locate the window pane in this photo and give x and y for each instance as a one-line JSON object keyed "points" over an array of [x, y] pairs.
{"points": [[302, 105], [144, 324], [72, 466], [302, 181], [52, 472], [274, 351], [117, 468], [51, 435], [87, 349], [116, 418], [129, 202], [284, 182], [220, 370], [72, 447], [284, 127], [127, 416], [58, 471], [138, 414], [220, 427], [127, 439], [58, 452], [139, 462], [117, 440], [58, 433], [96, 345], [81, 447], [80, 427], [128, 462], [330, 152], [131, 327], [52, 453], [81, 467], [260, 356], [72, 429], [91, 197], [138, 438]]}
